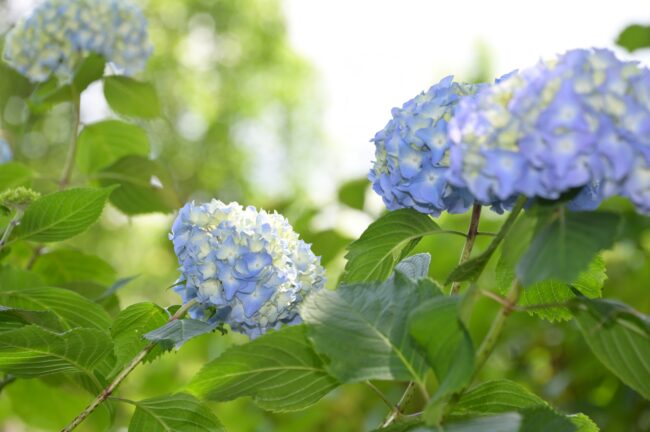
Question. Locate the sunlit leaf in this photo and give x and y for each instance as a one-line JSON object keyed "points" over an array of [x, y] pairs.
{"points": [[179, 412], [130, 97]]}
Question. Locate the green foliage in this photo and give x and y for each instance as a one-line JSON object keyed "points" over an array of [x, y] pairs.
{"points": [[176, 332], [178, 412], [362, 328], [564, 245], [634, 37], [62, 215], [12, 278], [280, 370], [63, 266], [353, 193], [384, 243], [144, 186], [620, 337], [129, 328], [131, 98], [449, 349], [14, 174], [102, 144]]}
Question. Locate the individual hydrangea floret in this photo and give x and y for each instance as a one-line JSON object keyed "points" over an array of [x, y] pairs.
{"points": [[412, 153], [246, 268], [6, 154], [58, 34], [579, 121]]}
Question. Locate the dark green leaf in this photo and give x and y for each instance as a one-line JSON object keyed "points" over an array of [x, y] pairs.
{"points": [[12, 318], [145, 186], [132, 98], [565, 246], [620, 337], [634, 37], [62, 215], [68, 265], [90, 70], [103, 143], [131, 325], [14, 174], [385, 241], [280, 370], [12, 278], [353, 193], [175, 333], [179, 412], [438, 329], [362, 328]]}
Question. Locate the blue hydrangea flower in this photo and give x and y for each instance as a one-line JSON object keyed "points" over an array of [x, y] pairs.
{"points": [[246, 268], [579, 121], [412, 153], [59, 33], [5, 151]]}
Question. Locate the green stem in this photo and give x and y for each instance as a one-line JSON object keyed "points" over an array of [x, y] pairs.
{"points": [[397, 411], [106, 393], [472, 231], [12, 224], [381, 395], [72, 150], [8, 379]]}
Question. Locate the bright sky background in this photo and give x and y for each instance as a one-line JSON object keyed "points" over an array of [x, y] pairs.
{"points": [[372, 55]]}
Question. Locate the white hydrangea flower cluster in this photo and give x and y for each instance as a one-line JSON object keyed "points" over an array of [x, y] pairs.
{"points": [[58, 34], [246, 268]]}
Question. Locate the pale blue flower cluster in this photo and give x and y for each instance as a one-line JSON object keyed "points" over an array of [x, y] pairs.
{"points": [[579, 121], [412, 153], [5, 151], [246, 268], [58, 34]]}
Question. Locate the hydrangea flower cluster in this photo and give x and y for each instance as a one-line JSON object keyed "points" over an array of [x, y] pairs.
{"points": [[579, 121], [5, 151], [246, 268], [59, 33], [412, 153]]}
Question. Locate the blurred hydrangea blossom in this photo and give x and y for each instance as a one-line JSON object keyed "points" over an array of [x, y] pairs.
{"points": [[412, 153], [579, 121], [245, 267], [59, 33], [5, 151]]}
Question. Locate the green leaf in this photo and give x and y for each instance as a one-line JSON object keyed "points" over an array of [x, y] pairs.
{"points": [[48, 94], [279, 370], [619, 336], [90, 70], [132, 98], [326, 244], [131, 325], [32, 351], [634, 37], [438, 329], [103, 143], [362, 328], [565, 245], [61, 215], [145, 186], [12, 318], [415, 266], [495, 397], [71, 309], [68, 265], [353, 193], [385, 241], [175, 333], [509, 422], [179, 412], [14, 174], [472, 268], [12, 278]]}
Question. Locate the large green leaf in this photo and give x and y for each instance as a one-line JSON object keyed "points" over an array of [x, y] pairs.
{"points": [[70, 308], [68, 265], [437, 328], [12, 318], [14, 174], [90, 70], [280, 370], [131, 325], [175, 333], [103, 143], [145, 186], [634, 37], [620, 337], [130, 97], [12, 278], [362, 328], [62, 215], [385, 241], [564, 246], [32, 351], [179, 412]]}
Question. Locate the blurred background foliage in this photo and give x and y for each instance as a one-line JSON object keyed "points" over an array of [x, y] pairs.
{"points": [[242, 121]]}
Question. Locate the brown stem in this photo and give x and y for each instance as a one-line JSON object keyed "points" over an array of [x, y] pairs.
{"points": [[472, 231]]}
